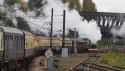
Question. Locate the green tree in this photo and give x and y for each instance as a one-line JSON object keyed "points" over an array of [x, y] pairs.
{"points": [[24, 6], [78, 5], [88, 6], [22, 24], [12, 2], [37, 6], [72, 4], [64, 1], [2, 16], [9, 23], [39, 33]]}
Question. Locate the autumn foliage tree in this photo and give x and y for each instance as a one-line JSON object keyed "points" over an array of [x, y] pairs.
{"points": [[88, 6]]}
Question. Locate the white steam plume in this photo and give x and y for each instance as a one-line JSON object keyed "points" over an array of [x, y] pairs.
{"points": [[90, 30], [73, 20], [119, 32], [1, 6]]}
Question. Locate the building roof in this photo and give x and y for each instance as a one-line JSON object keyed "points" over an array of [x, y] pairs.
{"points": [[11, 30]]}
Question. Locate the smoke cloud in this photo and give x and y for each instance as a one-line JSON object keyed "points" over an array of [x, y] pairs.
{"points": [[88, 30], [120, 31]]}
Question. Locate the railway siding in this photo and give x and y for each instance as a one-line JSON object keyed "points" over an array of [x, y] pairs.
{"points": [[91, 65]]}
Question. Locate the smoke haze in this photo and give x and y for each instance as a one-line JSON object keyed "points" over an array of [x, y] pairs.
{"points": [[73, 20]]}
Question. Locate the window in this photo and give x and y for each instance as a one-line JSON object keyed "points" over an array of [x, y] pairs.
{"points": [[6, 37]]}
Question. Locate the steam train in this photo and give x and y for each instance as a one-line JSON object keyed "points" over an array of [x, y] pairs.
{"points": [[94, 51], [17, 47]]}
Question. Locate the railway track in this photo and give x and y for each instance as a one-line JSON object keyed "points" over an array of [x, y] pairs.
{"points": [[89, 61], [90, 65], [96, 67]]}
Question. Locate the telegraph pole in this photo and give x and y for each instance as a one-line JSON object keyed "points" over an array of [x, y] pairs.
{"points": [[63, 41], [51, 31], [64, 50]]}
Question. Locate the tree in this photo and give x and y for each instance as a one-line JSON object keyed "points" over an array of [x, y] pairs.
{"points": [[24, 6], [9, 23], [88, 6], [22, 24], [2, 16], [64, 1], [39, 33], [71, 33], [78, 5], [72, 4], [37, 6], [12, 2]]}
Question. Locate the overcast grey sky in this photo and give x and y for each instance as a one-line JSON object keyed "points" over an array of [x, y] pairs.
{"points": [[110, 5]]}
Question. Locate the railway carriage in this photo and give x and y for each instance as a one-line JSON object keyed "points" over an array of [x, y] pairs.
{"points": [[36, 42], [41, 45], [11, 47], [17, 47], [29, 44], [68, 43], [12, 43], [44, 44]]}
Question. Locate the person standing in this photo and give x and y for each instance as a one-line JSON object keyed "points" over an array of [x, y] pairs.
{"points": [[49, 59]]}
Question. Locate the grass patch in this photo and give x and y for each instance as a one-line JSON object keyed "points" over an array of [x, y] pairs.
{"points": [[113, 59]]}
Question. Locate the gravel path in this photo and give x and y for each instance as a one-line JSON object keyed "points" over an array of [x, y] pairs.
{"points": [[63, 64], [37, 64]]}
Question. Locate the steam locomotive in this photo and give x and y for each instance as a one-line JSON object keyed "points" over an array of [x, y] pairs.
{"points": [[17, 47], [94, 51]]}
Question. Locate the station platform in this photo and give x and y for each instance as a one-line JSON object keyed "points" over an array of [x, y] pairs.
{"points": [[62, 64]]}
